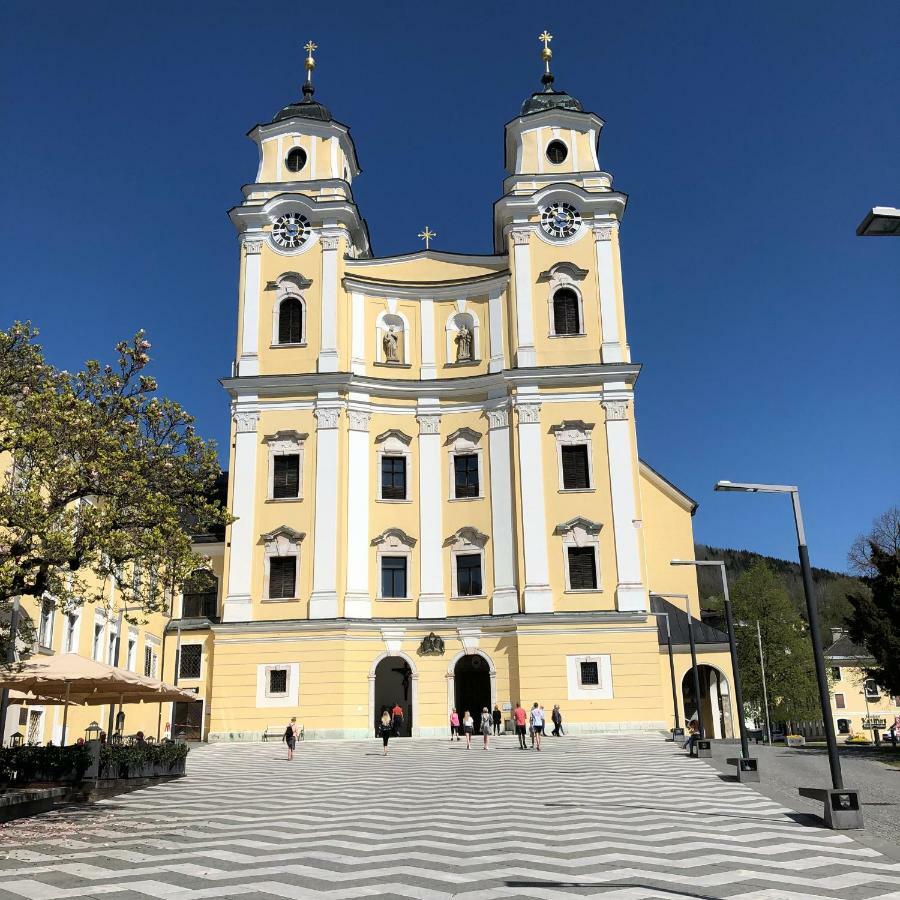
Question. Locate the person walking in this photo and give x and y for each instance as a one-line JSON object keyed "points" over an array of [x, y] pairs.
{"points": [[290, 736], [468, 726], [397, 713], [454, 724], [497, 717], [556, 716], [537, 725], [386, 728], [520, 717], [486, 725]]}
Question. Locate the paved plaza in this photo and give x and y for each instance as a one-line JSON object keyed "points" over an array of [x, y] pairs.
{"points": [[612, 816]]}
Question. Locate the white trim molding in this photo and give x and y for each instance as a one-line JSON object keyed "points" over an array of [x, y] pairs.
{"points": [[579, 691], [505, 598], [282, 542], [574, 433], [290, 285], [464, 442], [468, 541], [393, 443], [357, 600], [612, 348], [432, 600], [323, 603], [290, 698], [393, 542], [580, 532]]}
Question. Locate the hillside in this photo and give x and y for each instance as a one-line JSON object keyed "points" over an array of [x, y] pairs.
{"points": [[831, 587]]}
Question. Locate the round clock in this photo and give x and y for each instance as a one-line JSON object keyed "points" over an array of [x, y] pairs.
{"points": [[290, 230], [560, 220]]}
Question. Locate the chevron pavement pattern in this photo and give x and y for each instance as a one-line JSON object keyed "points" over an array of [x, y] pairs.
{"points": [[625, 817]]}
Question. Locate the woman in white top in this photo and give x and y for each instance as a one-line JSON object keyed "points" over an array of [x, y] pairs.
{"points": [[537, 724], [468, 725], [487, 725]]}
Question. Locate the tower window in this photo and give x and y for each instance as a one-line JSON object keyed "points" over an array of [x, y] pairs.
{"points": [[557, 152], [465, 471], [286, 476], [582, 569], [393, 477], [290, 321], [393, 576], [468, 574], [575, 467], [565, 312], [296, 159], [282, 577]]}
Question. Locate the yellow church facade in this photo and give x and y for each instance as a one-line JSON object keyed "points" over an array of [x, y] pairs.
{"points": [[434, 472]]}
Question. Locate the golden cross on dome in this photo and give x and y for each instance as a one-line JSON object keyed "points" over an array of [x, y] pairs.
{"points": [[546, 53], [310, 63], [427, 235]]}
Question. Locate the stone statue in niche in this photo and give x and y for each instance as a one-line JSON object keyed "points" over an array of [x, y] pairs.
{"points": [[463, 344], [390, 346]]}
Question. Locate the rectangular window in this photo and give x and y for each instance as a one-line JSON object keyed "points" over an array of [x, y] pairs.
{"points": [[132, 652], [575, 467], [839, 701], [872, 692], [286, 476], [189, 661], [97, 646], [835, 673], [112, 652], [150, 660], [278, 683], [282, 577], [589, 674], [468, 574], [45, 627], [393, 477], [582, 569], [393, 576], [465, 472], [71, 623]]}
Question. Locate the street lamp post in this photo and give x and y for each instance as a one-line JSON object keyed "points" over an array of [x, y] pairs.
{"points": [[694, 671], [842, 809], [676, 728], [746, 768], [762, 669]]}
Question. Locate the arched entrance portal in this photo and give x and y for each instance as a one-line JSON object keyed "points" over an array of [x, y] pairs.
{"points": [[393, 684], [472, 685], [715, 701]]}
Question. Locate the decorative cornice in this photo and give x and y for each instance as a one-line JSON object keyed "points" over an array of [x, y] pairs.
{"points": [[429, 424], [327, 416], [391, 535], [446, 289], [616, 410], [469, 434], [497, 418], [359, 419], [529, 413], [294, 278], [245, 422], [393, 433]]}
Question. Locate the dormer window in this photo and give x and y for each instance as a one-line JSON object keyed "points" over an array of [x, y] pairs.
{"points": [[296, 159], [557, 152]]}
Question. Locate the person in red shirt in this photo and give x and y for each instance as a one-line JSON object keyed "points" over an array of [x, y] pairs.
{"points": [[397, 713], [520, 717]]}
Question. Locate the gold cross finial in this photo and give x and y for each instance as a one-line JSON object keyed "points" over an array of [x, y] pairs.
{"points": [[310, 63], [427, 235], [546, 53]]}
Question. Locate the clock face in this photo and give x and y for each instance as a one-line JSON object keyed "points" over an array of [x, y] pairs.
{"points": [[560, 220], [290, 231]]}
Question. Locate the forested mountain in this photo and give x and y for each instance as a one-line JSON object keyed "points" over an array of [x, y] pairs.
{"points": [[831, 588]]}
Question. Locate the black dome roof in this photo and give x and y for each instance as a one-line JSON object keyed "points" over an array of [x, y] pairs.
{"points": [[307, 108], [550, 99]]}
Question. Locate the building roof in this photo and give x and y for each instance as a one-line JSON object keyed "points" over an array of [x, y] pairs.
{"points": [[844, 648], [550, 99], [678, 622], [307, 108]]}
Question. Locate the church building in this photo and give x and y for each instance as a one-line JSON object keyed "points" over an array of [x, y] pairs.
{"points": [[434, 469]]}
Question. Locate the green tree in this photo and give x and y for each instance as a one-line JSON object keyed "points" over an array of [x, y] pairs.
{"points": [[760, 595], [101, 479]]}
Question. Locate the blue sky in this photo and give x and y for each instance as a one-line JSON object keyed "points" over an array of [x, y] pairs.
{"points": [[751, 140]]}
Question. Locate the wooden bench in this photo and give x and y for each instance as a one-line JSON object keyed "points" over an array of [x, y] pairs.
{"points": [[277, 731]]}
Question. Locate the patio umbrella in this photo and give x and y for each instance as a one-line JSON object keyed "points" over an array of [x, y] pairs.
{"points": [[70, 678]]}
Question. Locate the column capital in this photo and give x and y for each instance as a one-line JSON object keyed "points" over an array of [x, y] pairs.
{"points": [[529, 412], [359, 419], [252, 246], [327, 416], [329, 241], [429, 424], [604, 232], [497, 418], [616, 410], [520, 238], [245, 422]]}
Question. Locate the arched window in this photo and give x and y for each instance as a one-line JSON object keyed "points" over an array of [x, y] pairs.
{"points": [[565, 312], [290, 321], [201, 593]]}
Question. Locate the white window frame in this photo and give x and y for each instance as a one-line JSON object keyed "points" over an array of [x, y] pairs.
{"points": [[45, 631], [98, 649], [289, 699], [393, 442], [291, 284], [579, 691], [451, 329], [131, 649], [285, 443], [580, 532], [574, 432], [113, 633], [394, 542], [564, 275], [152, 644], [72, 631], [469, 541], [464, 442], [875, 693], [283, 541], [202, 661]]}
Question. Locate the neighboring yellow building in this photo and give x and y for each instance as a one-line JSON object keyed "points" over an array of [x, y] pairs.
{"points": [[856, 701]]}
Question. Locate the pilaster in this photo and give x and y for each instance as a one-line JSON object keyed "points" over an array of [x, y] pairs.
{"points": [[328, 354], [505, 599], [426, 314], [358, 601], [525, 355], [432, 601], [495, 314], [357, 334], [631, 594], [323, 600], [538, 596], [248, 362], [612, 349], [237, 606]]}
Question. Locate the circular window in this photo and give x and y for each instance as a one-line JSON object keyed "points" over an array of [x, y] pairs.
{"points": [[557, 152], [296, 159]]}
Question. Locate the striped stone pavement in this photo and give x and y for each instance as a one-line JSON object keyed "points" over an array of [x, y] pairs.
{"points": [[614, 816]]}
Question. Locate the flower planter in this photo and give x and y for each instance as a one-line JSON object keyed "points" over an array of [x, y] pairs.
{"points": [[795, 740]]}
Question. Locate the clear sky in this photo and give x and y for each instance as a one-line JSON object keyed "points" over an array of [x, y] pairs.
{"points": [[750, 138]]}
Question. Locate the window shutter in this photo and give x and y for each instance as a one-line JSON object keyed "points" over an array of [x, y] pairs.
{"points": [[282, 577], [582, 569], [290, 321], [575, 467], [565, 312], [286, 475]]}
